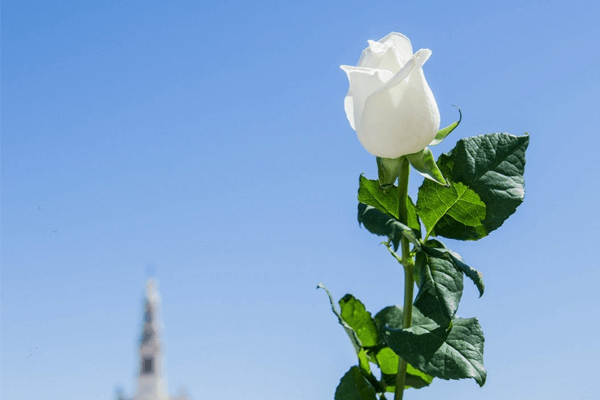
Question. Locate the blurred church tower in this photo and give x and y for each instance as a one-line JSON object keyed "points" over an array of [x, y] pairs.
{"points": [[151, 381]]}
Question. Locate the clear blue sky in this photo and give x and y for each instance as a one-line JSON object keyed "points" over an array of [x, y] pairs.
{"points": [[207, 140]]}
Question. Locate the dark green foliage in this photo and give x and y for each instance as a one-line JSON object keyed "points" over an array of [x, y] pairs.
{"points": [[382, 224], [391, 316], [486, 186], [441, 286], [454, 352], [354, 386], [437, 249], [366, 336], [386, 201]]}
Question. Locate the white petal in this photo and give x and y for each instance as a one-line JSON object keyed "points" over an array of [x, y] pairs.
{"points": [[375, 54], [414, 62], [391, 53], [376, 47], [401, 75], [390, 61], [401, 45], [421, 57], [363, 82], [403, 118]]}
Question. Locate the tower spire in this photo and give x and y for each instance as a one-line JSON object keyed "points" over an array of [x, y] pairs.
{"points": [[152, 383]]}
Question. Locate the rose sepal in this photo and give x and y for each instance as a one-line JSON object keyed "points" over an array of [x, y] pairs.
{"points": [[442, 133], [388, 170], [424, 162]]}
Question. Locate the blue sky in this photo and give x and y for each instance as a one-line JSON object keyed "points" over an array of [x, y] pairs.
{"points": [[208, 142]]}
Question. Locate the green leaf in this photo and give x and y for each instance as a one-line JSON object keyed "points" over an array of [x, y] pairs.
{"points": [[388, 363], [355, 312], [382, 224], [386, 201], [354, 386], [416, 376], [363, 362], [359, 319], [441, 286], [370, 194], [448, 353], [387, 360], [471, 273], [392, 316], [349, 331], [437, 204], [486, 187], [439, 250], [411, 381], [442, 133], [412, 217], [424, 163]]}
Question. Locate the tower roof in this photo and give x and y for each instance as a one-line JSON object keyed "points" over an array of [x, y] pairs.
{"points": [[152, 294]]}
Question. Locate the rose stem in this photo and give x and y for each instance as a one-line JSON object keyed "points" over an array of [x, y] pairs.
{"points": [[408, 271]]}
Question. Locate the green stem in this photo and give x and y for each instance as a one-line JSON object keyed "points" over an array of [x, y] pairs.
{"points": [[408, 271]]}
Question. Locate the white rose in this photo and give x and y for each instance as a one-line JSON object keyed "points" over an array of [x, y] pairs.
{"points": [[389, 104]]}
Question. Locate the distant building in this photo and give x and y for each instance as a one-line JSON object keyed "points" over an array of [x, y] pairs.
{"points": [[151, 381]]}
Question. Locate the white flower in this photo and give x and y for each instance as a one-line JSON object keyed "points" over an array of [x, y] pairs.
{"points": [[389, 104]]}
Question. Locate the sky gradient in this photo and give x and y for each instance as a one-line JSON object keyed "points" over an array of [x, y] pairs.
{"points": [[208, 143]]}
